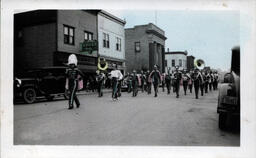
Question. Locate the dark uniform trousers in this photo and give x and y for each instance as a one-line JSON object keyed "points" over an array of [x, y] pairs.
{"points": [[134, 88], [149, 87], [196, 86], [190, 86], [114, 87], [206, 84], [177, 87], [73, 88], [202, 88], [100, 85], [168, 85], [185, 86]]}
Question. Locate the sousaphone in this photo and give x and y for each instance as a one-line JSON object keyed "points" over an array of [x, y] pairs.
{"points": [[199, 63], [102, 64]]}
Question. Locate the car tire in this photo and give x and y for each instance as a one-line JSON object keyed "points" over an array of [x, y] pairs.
{"points": [[66, 94], [29, 95], [223, 121]]}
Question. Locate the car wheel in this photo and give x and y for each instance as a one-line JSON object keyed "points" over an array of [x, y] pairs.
{"points": [[29, 95], [222, 121], [66, 94]]}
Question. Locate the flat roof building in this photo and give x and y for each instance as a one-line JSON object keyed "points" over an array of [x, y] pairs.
{"points": [[144, 47]]}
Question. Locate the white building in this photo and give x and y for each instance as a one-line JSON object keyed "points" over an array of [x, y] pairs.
{"points": [[176, 59], [111, 39]]}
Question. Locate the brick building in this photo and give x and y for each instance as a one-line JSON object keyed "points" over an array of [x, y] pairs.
{"points": [[144, 47], [190, 62], [47, 37]]}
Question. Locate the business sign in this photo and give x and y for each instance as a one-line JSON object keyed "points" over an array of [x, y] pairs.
{"points": [[89, 47]]}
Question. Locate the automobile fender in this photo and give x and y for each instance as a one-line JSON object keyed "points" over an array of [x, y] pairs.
{"points": [[222, 92]]}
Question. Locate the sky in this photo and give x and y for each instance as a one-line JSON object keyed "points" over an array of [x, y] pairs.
{"points": [[207, 35]]}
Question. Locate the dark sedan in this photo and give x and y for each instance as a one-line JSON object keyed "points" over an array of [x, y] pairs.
{"points": [[47, 82]]}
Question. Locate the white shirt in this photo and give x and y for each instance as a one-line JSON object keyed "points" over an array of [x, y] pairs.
{"points": [[117, 74]]}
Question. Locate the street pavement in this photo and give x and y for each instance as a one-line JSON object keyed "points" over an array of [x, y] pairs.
{"points": [[141, 120]]}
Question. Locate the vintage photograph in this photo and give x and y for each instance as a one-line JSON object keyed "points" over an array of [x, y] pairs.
{"points": [[126, 77]]}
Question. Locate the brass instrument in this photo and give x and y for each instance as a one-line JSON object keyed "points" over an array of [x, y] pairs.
{"points": [[199, 63], [102, 64]]}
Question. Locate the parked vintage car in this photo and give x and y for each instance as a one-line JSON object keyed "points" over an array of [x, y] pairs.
{"points": [[47, 82], [229, 94]]}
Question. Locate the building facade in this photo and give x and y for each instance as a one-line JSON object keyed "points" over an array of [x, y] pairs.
{"points": [[111, 39], [174, 59], [144, 47], [45, 38]]}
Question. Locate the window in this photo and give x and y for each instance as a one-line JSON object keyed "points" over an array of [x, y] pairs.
{"points": [[180, 62], [69, 35], [105, 40], [118, 44], [88, 35], [137, 46], [173, 62]]}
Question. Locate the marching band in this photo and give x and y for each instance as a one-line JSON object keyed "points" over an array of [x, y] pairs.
{"points": [[199, 78]]}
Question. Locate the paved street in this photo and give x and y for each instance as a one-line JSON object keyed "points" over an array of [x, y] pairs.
{"points": [[143, 120]]}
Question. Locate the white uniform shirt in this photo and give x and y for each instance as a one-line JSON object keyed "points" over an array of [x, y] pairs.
{"points": [[117, 74]]}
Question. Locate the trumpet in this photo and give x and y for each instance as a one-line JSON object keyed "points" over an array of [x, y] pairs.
{"points": [[102, 64], [199, 63]]}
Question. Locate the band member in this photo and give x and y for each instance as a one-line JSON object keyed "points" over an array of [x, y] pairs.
{"points": [[185, 79], [163, 81], [177, 78], [115, 75], [211, 81], [128, 82], [135, 82], [190, 81], [215, 80], [197, 79], [72, 77], [142, 80], [100, 77], [202, 84], [173, 82], [148, 80], [168, 81], [155, 76], [207, 80]]}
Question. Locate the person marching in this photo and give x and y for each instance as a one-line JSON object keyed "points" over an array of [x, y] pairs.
{"points": [[128, 82], [211, 81], [190, 81], [207, 80], [202, 83], [73, 78], [163, 80], [197, 79], [148, 82], [185, 78], [177, 78], [168, 81], [135, 82], [100, 77], [142, 80], [155, 76], [173, 82], [215, 80], [115, 75]]}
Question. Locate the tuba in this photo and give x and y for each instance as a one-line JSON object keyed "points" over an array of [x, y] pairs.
{"points": [[102, 64], [199, 63]]}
